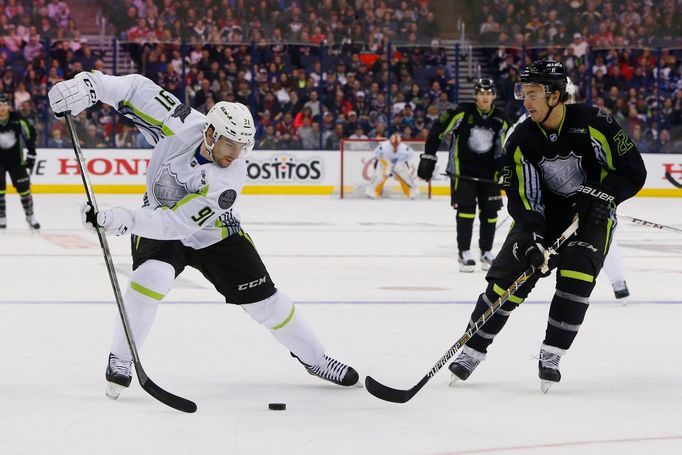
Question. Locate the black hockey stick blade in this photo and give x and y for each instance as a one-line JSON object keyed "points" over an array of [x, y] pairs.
{"points": [[386, 393], [167, 398]]}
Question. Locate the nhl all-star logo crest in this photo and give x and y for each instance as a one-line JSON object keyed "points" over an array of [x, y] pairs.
{"points": [[481, 139], [562, 174], [226, 199], [167, 188], [553, 137]]}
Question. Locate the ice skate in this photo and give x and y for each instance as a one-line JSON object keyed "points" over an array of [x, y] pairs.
{"points": [[487, 258], [3, 223], [620, 289], [548, 367], [466, 261], [32, 222], [465, 364], [118, 375], [371, 193], [333, 371]]}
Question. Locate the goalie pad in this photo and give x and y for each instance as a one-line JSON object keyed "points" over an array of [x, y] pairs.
{"points": [[381, 173]]}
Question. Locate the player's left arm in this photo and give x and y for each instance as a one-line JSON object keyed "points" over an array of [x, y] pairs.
{"points": [[28, 135], [623, 170]]}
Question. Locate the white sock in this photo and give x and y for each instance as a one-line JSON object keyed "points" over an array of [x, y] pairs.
{"points": [[613, 264], [288, 325], [150, 283]]}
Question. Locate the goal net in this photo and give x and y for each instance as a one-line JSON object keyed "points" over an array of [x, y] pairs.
{"points": [[357, 169]]}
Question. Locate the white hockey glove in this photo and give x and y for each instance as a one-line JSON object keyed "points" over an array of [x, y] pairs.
{"points": [[74, 95], [116, 221]]}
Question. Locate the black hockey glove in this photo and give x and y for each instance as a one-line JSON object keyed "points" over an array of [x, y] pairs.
{"points": [[593, 201], [427, 164], [530, 250], [30, 161]]}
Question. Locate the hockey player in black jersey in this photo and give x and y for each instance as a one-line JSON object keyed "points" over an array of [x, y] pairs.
{"points": [[478, 131], [562, 161], [15, 134]]}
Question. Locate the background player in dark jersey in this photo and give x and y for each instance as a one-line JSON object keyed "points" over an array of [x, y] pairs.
{"points": [[563, 160], [15, 134], [478, 131]]}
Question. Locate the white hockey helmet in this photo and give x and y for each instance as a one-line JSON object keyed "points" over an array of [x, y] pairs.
{"points": [[232, 121]]}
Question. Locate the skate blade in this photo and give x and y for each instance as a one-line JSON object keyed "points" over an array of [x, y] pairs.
{"points": [[485, 266], [114, 390], [546, 385], [467, 268], [454, 379]]}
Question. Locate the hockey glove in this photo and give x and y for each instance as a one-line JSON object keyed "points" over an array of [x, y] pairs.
{"points": [[593, 201], [116, 221], [74, 95], [530, 250], [30, 161], [427, 164]]}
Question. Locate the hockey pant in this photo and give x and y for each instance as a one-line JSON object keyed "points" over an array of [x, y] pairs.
{"points": [[400, 171], [464, 195], [153, 280], [22, 184], [580, 260]]}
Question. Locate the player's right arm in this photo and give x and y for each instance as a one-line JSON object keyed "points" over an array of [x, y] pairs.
{"points": [[448, 121], [521, 182], [155, 112]]}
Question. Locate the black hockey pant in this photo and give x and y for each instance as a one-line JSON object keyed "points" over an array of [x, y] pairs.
{"points": [[464, 196]]}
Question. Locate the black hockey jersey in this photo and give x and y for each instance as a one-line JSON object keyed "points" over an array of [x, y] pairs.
{"points": [[16, 133], [477, 138], [543, 169]]}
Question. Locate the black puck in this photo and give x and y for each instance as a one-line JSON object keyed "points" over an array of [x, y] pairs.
{"points": [[277, 406]]}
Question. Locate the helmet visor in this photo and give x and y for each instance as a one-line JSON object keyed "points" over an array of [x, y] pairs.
{"points": [[530, 91]]}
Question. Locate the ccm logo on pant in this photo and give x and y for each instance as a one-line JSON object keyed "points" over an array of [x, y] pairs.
{"points": [[251, 284]]}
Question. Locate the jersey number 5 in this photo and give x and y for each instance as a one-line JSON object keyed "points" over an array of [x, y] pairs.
{"points": [[203, 215]]}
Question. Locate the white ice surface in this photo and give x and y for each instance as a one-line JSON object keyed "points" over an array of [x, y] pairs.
{"points": [[379, 282]]}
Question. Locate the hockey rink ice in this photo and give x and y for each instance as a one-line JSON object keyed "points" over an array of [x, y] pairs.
{"points": [[379, 282]]}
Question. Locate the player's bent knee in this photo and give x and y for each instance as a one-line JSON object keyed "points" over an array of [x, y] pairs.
{"points": [[275, 312], [577, 272], [152, 281]]}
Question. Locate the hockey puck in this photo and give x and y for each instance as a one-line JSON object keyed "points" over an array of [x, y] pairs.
{"points": [[277, 406]]}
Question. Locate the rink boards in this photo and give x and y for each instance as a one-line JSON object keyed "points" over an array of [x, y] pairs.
{"points": [[310, 172]]}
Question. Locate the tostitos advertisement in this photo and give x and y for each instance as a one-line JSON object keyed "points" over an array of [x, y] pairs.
{"points": [[273, 172]]}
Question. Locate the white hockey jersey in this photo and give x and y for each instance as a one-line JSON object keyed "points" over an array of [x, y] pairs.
{"points": [[385, 150], [185, 199]]}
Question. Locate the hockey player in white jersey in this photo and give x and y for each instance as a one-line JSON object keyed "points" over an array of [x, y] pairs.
{"points": [[613, 263], [392, 159], [194, 179]]}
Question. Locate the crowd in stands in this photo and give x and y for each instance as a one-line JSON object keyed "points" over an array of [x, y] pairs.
{"points": [[314, 72], [610, 51]]}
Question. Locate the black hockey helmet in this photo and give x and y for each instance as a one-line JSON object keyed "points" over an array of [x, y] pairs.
{"points": [[4, 98], [484, 84], [548, 73]]}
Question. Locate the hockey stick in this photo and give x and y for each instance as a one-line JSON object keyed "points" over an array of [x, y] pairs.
{"points": [[473, 179], [386, 393], [147, 384], [641, 222]]}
